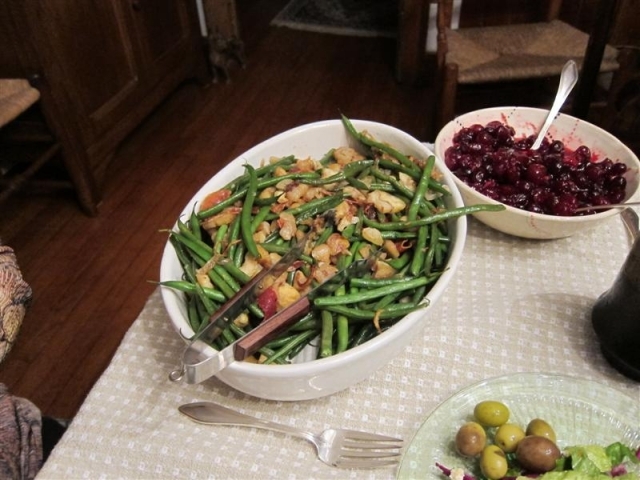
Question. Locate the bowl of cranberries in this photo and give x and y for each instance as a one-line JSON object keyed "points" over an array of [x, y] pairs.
{"points": [[545, 191]]}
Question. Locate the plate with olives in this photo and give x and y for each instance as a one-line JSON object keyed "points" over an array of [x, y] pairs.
{"points": [[559, 411]]}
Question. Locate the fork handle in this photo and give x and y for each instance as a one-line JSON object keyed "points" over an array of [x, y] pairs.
{"points": [[211, 413]]}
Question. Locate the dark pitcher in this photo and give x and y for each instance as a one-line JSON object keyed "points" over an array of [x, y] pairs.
{"points": [[616, 317]]}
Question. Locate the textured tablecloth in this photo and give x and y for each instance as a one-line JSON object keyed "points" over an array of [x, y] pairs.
{"points": [[514, 305]]}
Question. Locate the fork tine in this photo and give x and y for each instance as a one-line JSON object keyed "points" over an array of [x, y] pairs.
{"points": [[368, 454], [362, 463], [367, 444], [375, 437]]}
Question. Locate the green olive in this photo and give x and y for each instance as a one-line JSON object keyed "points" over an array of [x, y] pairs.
{"points": [[493, 462], [537, 454], [507, 437], [539, 427], [470, 439], [491, 413]]}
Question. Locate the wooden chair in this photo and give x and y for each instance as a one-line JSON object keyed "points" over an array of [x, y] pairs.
{"points": [[27, 144], [504, 53]]}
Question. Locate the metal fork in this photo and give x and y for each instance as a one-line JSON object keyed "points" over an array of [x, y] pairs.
{"points": [[336, 447]]}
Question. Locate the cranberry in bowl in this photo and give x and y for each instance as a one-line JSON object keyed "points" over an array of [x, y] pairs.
{"points": [[489, 153]]}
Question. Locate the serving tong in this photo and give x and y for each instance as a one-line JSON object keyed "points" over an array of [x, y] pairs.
{"points": [[197, 365]]}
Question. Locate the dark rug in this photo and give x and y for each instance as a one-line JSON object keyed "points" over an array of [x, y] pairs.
{"points": [[365, 18]]}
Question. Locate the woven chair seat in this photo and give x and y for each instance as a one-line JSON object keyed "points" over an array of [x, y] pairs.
{"points": [[493, 54], [16, 96]]}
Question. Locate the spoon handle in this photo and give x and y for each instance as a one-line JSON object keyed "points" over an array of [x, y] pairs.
{"points": [[568, 80], [607, 207], [631, 222]]}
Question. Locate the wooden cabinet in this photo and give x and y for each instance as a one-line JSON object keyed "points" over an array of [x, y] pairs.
{"points": [[102, 66]]}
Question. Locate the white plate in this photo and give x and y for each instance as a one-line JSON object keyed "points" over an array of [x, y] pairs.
{"points": [[580, 411]]}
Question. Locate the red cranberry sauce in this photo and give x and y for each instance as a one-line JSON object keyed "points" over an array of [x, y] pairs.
{"points": [[553, 180]]}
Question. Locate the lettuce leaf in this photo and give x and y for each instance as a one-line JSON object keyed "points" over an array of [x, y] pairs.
{"points": [[589, 459]]}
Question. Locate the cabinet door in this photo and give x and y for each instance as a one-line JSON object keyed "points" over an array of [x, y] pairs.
{"points": [[166, 32], [85, 49]]}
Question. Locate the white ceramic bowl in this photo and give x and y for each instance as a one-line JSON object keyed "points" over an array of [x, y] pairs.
{"points": [[317, 378], [572, 132]]}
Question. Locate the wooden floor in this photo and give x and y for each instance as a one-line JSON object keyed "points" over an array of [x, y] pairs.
{"points": [[91, 276]]}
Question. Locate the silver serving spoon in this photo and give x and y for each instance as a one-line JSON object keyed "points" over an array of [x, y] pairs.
{"points": [[607, 207], [568, 80]]}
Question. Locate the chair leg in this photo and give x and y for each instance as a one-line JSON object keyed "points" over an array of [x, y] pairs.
{"points": [[17, 181], [447, 91]]}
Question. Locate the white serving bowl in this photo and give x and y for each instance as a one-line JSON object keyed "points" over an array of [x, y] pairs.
{"points": [[572, 132], [317, 377]]}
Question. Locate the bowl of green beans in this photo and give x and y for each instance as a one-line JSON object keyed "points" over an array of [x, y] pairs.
{"points": [[387, 195]]}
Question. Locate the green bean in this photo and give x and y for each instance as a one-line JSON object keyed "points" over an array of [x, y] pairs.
{"points": [[282, 249], [241, 194], [419, 294], [398, 167], [429, 257], [441, 251], [349, 231], [326, 344], [220, 206], [201, 250], [234, 271], [421, 189], [327, 157], [238, 255], [376, 172], [318, 182], [191, 288], [419, 251], [352, 169], [263, 202], [194, 225], [376, 282], [192, 313], [400, 262], [301, 339], [385, 187], [280, 342], [245, 216], [228, 279], [359, 184], [342, 333], [393, 235], [218, 242], [378, 145], [259, 218], [325, 234], [365, 334], [190, 274], [260, 172], [370, 294], [390, 312], [342, 322], [308, 322], [268, 353], [234, 234], [219, 282], [438, 217], [297, 176], [317, 206], [386, 301]]}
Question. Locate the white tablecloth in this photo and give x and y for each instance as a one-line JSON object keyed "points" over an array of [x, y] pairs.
{"points": [[514, 306]]}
